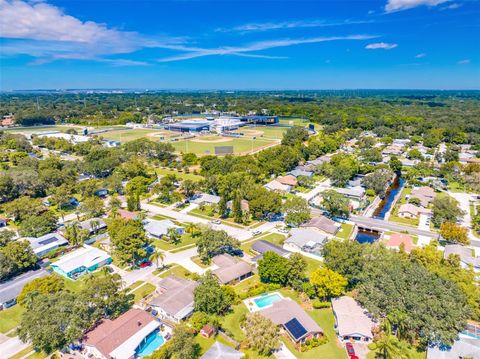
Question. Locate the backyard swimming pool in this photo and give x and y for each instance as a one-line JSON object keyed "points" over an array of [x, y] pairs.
{"points": [[267, 300], [151, 343]]}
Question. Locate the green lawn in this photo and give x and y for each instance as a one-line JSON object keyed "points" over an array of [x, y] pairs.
{"points": [[35, 355], [143, 291], [244, 285], [10, 318], [137, 284], [186, 240], [312, 264], [207, 213], [208, 148], [178, 271], [269, 132], [231, 321], [345, 231], [128, 134], [199, 262], [274, 238], [181, 175]]}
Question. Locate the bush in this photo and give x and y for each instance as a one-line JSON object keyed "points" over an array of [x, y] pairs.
{"points": [[318, 304], [259, 288]]}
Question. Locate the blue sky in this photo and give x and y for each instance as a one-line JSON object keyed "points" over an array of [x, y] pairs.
{"points": [[425, 44]]}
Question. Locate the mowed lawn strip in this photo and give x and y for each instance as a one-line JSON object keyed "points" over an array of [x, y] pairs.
{"points": [[10, 318]]}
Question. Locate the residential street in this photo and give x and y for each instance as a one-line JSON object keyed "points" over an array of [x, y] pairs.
{"points": [[322, 186]]}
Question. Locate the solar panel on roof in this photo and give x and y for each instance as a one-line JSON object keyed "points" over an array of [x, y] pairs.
{"points": [[48, 241], [295, 329]]}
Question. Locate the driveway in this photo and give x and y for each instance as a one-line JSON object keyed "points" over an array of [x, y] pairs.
{"points": [[323, 186], [11, 347]]}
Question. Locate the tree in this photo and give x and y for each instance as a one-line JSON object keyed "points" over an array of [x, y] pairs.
{"points": [[262, 334], [344, 257], [237, 208], [295, 135], [46, 285], [335, 203], [6, 236], [263, 203], [297, 265], [17, 257], [189, 187], [212, 242], [395, 164], [296, 211], [273, 268], [445, 209], [183, 344], [92, 207], [157, 256], [328, 283], [378, 181], [36, 226], [128, 239], [389, 346], [74, 234], [54, 321], [173, 235], [199, 319], [23, 208], [193, 229], [415, 154], [452, 232], [210, 297]]}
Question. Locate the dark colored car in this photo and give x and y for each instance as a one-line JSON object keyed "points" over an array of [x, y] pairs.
{"points": [[350, 350]]}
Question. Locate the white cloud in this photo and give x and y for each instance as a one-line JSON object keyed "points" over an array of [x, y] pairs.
{"points": [[42, 30], [259, 46], [265, 26], [421, 55], [452, 6], [464, 62], [380, 45], [399, 5]]}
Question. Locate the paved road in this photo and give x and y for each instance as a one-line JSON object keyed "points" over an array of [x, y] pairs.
{"points": [[390, 226], [11, 347]]}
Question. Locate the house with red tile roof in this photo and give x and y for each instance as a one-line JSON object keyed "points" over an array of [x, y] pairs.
{"points": [[397, 239], [120, 338]]}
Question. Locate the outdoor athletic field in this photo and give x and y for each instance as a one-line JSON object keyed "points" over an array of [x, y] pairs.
{"points": [[134, 134], [262, 132], [206, 145], [32, 129]]}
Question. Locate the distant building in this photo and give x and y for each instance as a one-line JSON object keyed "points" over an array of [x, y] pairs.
{"points": [[203, 198], [466, 255], [299, 172], [46, 243], [425, 194], [357, 193], [191, 125], [7, 120], [261, 120], [93, 225], [175, 298], [288, 180], [65, 136], [124, 214], [351, 321], [463, 348], [409, 210], [276, 186], [398, 239], [230, 269], [244, 205]]}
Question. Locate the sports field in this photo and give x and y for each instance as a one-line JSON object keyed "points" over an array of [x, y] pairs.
{"points": [[134, 134], [32, 129], [206, 145]]}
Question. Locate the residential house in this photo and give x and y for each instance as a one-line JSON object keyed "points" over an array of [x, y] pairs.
{"points": [[398, 239], [411, 211], [425, 194], [81, 261], [305, 240], [393, 149], [10, 289], [299, 172], [261, 247], [120, 338], [93, 225], [293, 320], [230, 269], [205, 198], [466, 255], [222, 351], [46, 243], [245, 207], [323, 224], [351, 321], [158, 229], [462, 348], [174, 301], [408, 162], [357, 193], [276, 186], [288, 180], [124, 214]]}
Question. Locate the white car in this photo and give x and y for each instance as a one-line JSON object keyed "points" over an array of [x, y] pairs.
{"points": [[216, 221], [256, 233], [283, 230]]}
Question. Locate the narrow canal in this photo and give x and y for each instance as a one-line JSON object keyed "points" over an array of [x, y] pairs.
{"points": [[387, 202]]}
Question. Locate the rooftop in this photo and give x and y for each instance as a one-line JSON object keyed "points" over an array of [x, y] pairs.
{"points": [[83, 257], [305, 237], [396, 239], [324, 224], [351, 317], [229, 268], [262, 246], [222, 351]]}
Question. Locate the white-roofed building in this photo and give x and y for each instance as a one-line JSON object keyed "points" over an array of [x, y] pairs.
{"points": [[277, 186], [205, 198], [158, 229], [46, 243], [81, 261], [305, 240], [351, 320]]}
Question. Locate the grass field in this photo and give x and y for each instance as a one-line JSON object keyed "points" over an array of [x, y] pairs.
{"points": [[178, 270], [181, 175], [186, 240], [203, 148], [269, 132], [10, 318], [142, 291], [33, 355], [128, 134], [31, 129]]}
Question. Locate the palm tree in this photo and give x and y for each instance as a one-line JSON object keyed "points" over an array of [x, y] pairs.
{"points": [[173, 235], [193, 229], [389, 346], [157, 256]]}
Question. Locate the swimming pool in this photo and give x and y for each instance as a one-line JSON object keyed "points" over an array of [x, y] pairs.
{"points": [[267, 300], [154, 341]]}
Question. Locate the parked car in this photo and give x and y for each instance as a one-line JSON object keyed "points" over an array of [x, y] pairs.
{"points": [[256, 232], [145, 264], [284, 230], [216, 221], [350, 350]]}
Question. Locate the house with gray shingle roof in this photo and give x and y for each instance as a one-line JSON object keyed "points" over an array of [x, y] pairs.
{"points": [[222, 351], [351, 320]]}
